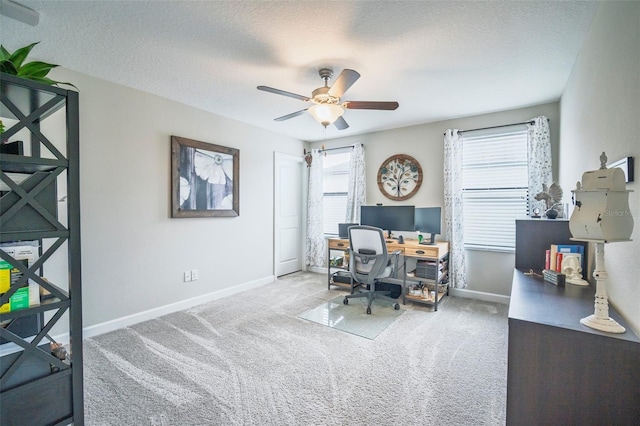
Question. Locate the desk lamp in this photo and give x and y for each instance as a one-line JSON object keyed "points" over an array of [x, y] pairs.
{"points": [[601, 215]]}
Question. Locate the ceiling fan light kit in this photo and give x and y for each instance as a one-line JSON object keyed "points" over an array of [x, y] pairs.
{"points": [[327, 108], [326, 114]]}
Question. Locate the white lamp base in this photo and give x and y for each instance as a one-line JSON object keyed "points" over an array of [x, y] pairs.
{"points": [[603, 324]]}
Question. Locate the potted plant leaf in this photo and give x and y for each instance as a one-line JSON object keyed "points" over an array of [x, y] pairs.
{"points": [[14, 64]]}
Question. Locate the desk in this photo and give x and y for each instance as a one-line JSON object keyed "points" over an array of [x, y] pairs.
{"points": [[428, 256], [561, 372]]}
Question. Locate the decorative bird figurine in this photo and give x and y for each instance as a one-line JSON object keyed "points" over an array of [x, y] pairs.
{"points": [[552, 196]]}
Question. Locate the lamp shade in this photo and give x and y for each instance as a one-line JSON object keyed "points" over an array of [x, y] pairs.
{"points": [[326, 114], [602, 207]]}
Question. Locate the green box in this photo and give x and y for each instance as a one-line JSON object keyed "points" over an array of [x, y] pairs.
{"points": [[20, 299]]}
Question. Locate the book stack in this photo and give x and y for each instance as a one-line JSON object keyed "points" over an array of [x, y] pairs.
{"points": [[557, 252]]}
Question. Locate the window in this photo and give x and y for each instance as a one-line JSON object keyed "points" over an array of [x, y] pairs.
{"points": [[334, 188], [495, 182]]}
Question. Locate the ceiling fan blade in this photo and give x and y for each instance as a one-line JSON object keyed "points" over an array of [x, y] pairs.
{"points": [[283, 93], [371, 105], [293, 114], [345, 80], [341, 124]]}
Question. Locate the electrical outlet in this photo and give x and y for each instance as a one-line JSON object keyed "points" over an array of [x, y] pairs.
{"points": [[187, 276], [194, 274]]}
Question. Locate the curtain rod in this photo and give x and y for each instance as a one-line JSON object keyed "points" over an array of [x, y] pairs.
{"points": [[339, 147], [497, 127]]}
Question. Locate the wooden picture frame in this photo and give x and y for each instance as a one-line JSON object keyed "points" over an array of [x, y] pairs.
{"points": [[627, 166], [204, 179]]}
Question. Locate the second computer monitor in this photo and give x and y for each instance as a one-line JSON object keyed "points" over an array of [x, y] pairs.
{"points": [[389, 218], [427, 220]]}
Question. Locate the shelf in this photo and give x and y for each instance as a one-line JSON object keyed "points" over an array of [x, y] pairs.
{"points": [[423, 299], [12, 163], [342, 268], [47, 305], [32, 404], [29, 96], [31, 391], [32, 235]]}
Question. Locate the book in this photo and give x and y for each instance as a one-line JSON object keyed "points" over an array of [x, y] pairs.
{"points": [[553, 251], [559, 262], [573, 248], [547, 259]]}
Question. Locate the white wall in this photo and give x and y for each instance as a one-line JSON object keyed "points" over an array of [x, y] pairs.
{"points": [[600, 111], [425, 143], [133, 253]]}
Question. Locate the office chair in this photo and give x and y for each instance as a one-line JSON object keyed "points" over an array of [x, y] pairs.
{"points": [[369, 262]]}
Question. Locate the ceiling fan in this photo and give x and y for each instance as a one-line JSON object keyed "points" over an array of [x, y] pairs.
{"points": [[327, 107]]}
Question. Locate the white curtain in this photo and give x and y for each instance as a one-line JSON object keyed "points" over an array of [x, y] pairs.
{"points": [[357, 192], [315, 249], [453, 215], [539, 146]]}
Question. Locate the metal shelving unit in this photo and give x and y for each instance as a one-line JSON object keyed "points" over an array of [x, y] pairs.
{"points": [[36, 386]]}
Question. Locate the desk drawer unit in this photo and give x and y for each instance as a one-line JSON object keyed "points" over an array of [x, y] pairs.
{"points": [[432, 252], [338, 244]]}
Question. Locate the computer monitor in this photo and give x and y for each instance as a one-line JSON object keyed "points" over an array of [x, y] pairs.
{"points": [[428, 220], [389, 218], [343, 229]]}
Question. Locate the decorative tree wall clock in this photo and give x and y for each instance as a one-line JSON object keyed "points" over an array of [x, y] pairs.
{"points": [[399, 177]]}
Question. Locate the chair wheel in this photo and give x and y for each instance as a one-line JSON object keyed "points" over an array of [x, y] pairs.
{"points": [[368, 311], [396, 307], [345, 301]]}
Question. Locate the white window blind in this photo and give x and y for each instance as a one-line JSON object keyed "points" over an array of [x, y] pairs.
{"points": [[334, 187], [495, 186]]}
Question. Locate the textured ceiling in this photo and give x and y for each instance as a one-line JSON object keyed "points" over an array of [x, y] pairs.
{"points": [[438, 59]]}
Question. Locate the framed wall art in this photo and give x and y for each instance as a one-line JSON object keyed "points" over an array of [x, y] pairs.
{"points": [[399, 177], [626, 164], [204, 179]]}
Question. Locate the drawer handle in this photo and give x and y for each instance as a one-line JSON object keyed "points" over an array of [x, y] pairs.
{"points": [[340, 244], [420, 251]]}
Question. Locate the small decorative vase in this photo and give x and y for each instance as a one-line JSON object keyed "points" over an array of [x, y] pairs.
{"points": [[551, 214]]}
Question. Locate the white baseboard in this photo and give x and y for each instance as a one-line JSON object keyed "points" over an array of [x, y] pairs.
{"points": [[479, 295], [138, 317], [317, 269]]}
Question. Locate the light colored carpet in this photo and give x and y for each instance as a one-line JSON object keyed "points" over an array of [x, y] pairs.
{"points": [[250, 360], [353, 318]]}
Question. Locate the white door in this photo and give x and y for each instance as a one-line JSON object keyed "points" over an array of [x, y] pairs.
{"points": [[288, 229]]}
